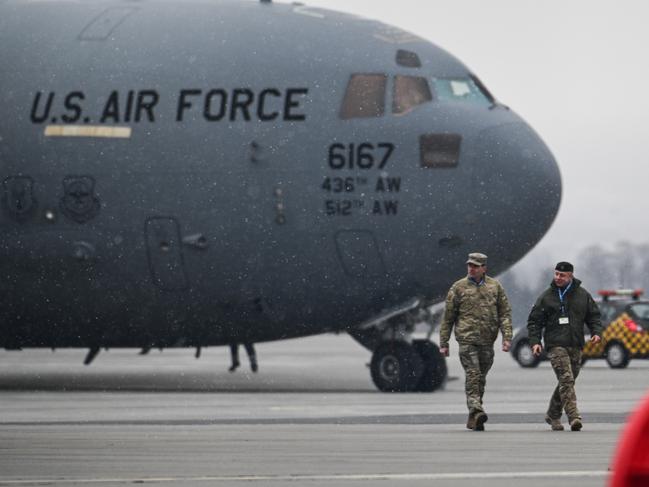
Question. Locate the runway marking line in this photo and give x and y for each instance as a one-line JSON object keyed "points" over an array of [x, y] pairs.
{"points": [[316, 478]]}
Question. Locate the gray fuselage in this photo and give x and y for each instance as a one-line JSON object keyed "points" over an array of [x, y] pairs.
{"points": [[193, 173]]}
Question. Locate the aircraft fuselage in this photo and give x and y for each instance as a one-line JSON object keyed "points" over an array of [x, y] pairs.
{"points": [[195, 176]]}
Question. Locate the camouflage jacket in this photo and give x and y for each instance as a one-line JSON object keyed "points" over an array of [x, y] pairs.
{"points": [[477, 312]]}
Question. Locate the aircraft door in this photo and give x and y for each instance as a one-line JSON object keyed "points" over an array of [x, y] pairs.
{"points": [[165, 254], [359, 254]]}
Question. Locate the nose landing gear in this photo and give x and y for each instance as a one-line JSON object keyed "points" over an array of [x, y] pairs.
{"points": [[399, 362], [399, 366], [396, 367], [435, 371]]}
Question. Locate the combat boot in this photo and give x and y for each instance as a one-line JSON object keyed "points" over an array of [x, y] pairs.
{"points": [[555, 424], [575, 424], [470, 423], [480, 419]]}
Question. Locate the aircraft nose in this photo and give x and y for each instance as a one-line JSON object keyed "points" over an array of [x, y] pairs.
{"points": [[518, 187]]}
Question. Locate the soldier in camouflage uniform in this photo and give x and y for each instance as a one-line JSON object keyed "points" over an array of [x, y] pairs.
{"points": [[478, 308], [561, 312]]}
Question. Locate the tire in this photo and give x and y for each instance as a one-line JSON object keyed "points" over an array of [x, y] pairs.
{"points": [[435, 369], [524, 356], [617, 356], [396, 367]]}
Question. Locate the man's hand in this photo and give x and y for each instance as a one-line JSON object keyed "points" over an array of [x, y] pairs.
{"points": [[444, 351], [595, 339], [536, 350], [507, 345]]}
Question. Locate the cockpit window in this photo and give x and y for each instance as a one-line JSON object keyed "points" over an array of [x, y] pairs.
{"points": [[364, 97], [408, 59], [409, 92], [483, 89], [461, 89]]}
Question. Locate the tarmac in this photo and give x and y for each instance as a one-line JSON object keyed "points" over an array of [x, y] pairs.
{"points": [[310, 416]]}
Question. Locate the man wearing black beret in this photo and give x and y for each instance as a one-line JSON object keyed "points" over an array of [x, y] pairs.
{"points": [[560, 313]]}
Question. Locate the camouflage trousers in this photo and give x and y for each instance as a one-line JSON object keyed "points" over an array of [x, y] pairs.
{"points": [[566, 363], [476, 360]]}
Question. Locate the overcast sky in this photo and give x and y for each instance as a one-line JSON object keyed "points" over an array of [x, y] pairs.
{"points": [[578, 72]]}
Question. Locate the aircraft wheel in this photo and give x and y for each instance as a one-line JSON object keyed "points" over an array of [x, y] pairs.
{"points": [[396, 367], [435, 369], [524, 355], [617, 356]]}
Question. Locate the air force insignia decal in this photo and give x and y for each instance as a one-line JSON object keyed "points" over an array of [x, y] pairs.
{"points": [[79, 202]]}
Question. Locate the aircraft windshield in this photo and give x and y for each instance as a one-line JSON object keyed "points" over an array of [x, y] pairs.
{"points": [[364, 97], [409, 92], [365, 94], [460, 89]]}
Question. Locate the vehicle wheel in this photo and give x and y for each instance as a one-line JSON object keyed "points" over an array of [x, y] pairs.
{"points": [[396, 367], [524, 355], [435, 369], [617, 356]]}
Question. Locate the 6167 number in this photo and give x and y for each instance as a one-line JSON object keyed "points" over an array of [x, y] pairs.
{"points": [[360, 156]]}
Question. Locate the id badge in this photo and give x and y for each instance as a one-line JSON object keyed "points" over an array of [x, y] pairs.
{"points": [[563, 320]]}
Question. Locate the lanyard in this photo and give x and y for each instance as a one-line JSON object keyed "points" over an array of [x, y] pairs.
{"points": [[562, 294]]}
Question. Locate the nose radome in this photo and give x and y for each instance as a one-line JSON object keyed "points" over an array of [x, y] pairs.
{"points": [[517, 183]]}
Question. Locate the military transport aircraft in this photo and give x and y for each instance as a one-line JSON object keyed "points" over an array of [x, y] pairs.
{"points": [[187, 174]]}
